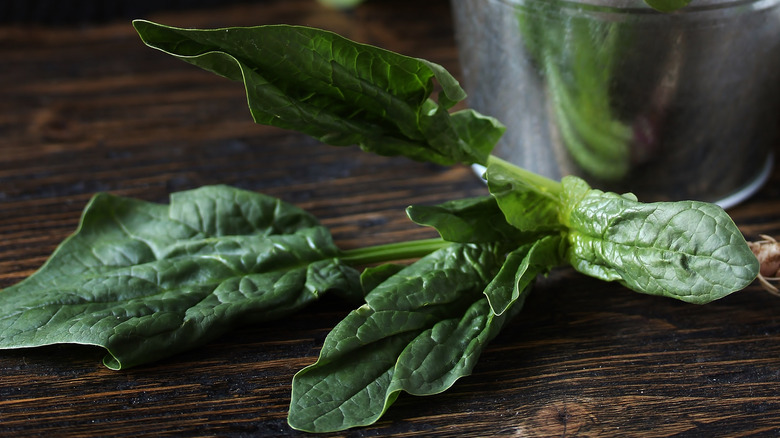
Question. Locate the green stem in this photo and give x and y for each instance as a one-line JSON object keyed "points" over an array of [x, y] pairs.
{"points": [[393, 251], [534, 179], [418, 248]]}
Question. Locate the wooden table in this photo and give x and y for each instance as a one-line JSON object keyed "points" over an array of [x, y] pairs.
{"points": [[89, 108]]}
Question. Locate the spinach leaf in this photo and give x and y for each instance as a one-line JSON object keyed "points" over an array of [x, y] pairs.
{"points": [[146, 281], [373, 276], [529, 202], [581, 100], [520, 270], [687, 250], [469, 220], [336, 90], [419, 331]]}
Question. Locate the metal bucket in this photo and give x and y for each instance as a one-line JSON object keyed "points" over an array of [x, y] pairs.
{"points": [[668, 106]]}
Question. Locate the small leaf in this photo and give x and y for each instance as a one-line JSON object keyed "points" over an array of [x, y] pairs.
{"points": [[146, 281], [420, 331], [336, 90], [469, 220], [527, 206], [687, 250], [520, 270]]}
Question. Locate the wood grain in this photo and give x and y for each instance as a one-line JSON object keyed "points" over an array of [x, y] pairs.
{"points": [[89, 109]]}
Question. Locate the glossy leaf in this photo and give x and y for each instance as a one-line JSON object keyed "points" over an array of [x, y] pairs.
{"points": [[469, 220], [520, 270], [146, 281], [375, 275], [527, 205], [336, 90], [419, 331], [687, 250]]}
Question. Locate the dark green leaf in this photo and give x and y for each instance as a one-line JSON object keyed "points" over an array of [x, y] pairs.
{"points": [[687, 250], [376, 275], [469, 220], [420, 331], [336, 90], [527, 206], [579, 61], [520, 270], [146, 281]]}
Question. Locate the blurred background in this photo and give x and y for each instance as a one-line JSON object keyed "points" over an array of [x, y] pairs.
{"points": [[79, 12]]}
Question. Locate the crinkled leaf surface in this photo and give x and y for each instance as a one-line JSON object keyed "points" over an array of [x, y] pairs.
{"points": [[146, 280], [336, 90], [419, 331], [687, 250]]}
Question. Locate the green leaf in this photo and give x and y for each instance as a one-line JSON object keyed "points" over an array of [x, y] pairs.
{"points": [[578, 60], [687, 250], [336, 90], [419, 331], [146, 281], [520, 270], [469, 220], [528, 202], [376, 275]]}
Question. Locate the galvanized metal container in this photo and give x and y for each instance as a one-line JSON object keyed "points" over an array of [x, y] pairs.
{"points": [[669, 106]]}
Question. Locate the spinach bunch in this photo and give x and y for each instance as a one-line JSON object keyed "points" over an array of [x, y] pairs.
{"points": [[146, 281]]}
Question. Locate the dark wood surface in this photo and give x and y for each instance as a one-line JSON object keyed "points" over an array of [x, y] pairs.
{"points": [[89, 108]]}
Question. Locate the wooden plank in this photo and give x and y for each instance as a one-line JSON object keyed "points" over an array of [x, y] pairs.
{"points": [[91, 109]]}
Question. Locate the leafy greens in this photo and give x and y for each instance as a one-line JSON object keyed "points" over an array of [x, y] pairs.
{"points": [[146, 280], [419, 331], [338, 91]]}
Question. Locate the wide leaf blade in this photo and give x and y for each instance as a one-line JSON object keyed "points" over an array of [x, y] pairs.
{"points": [[336, 90], [420, 331], [687, 250], [146, 281]]}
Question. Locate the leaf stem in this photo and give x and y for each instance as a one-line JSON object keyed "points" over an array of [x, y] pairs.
{"points": [[393, 251], [542, 182]]}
